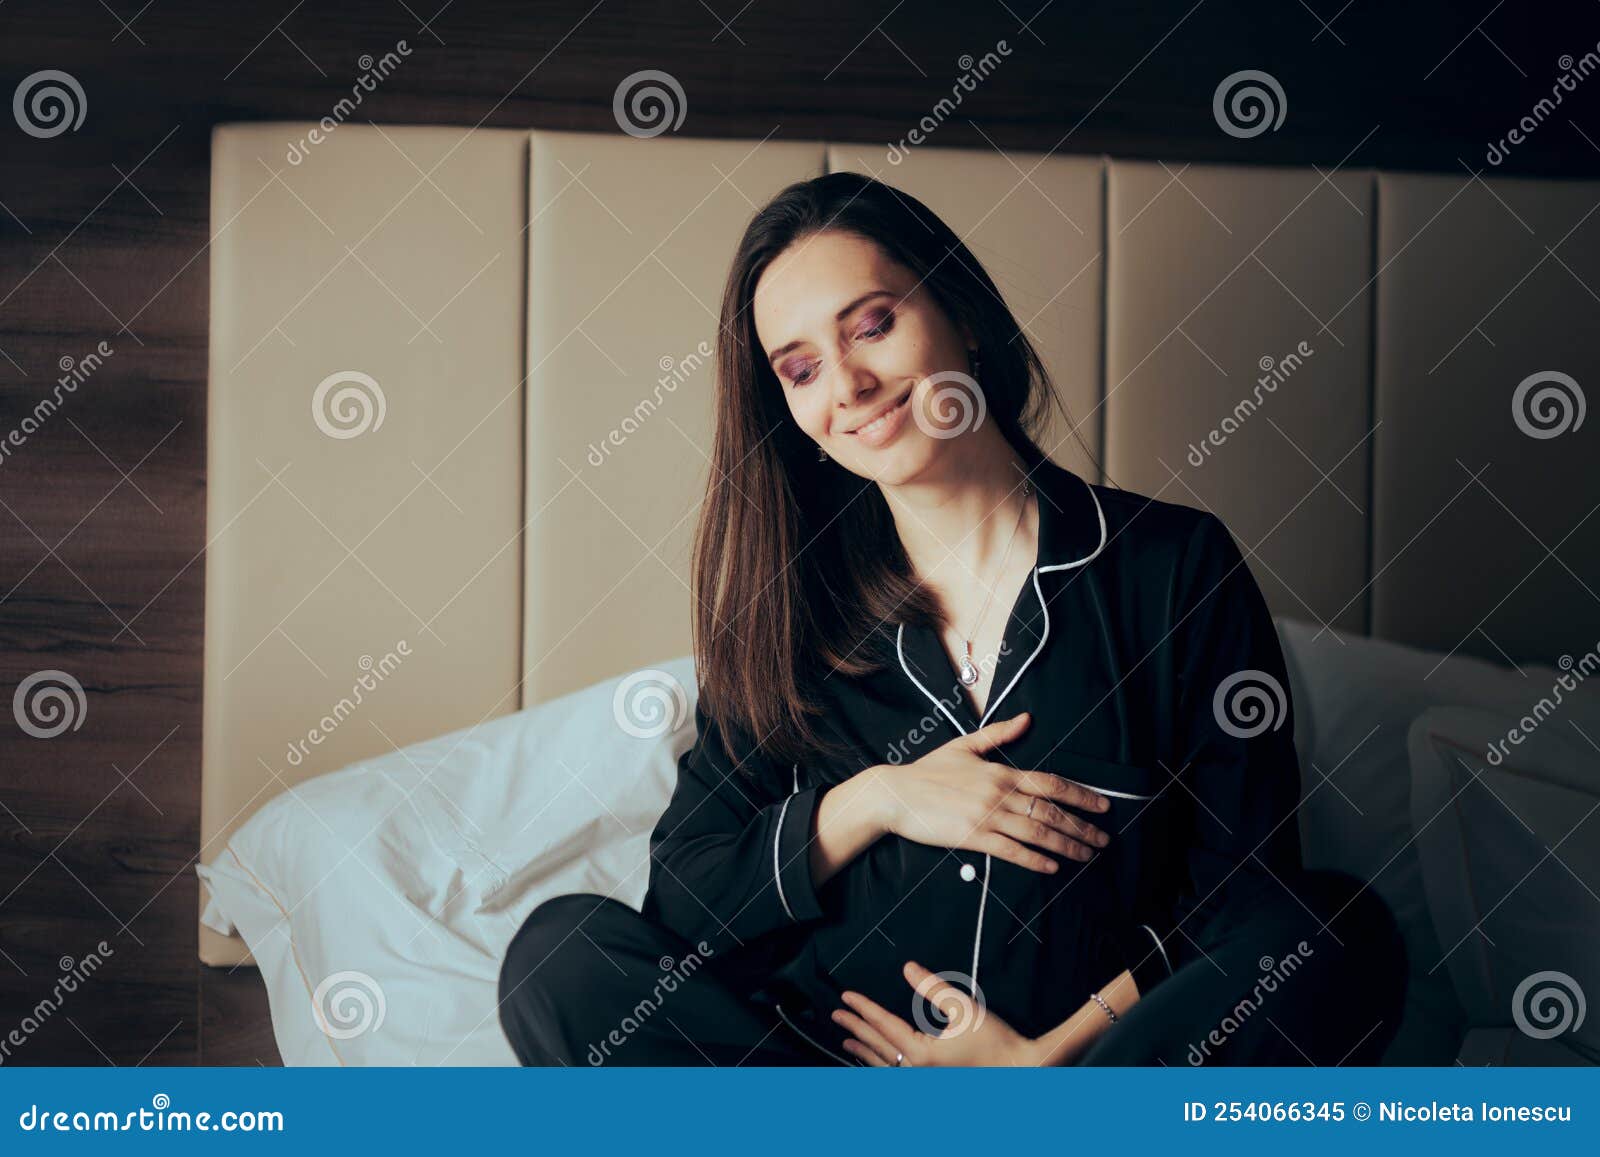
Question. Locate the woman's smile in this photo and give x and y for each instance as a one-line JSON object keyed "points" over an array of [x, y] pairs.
{"points": [[880, 431]]}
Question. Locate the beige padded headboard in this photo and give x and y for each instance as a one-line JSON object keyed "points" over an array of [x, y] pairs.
{"points": [[460, 403]]}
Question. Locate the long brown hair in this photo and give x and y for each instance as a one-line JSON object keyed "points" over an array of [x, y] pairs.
{"points": [[797, 565]]}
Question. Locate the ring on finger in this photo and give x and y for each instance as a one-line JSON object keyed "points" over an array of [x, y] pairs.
{"points": [[899, 1060], [1031, 802]]}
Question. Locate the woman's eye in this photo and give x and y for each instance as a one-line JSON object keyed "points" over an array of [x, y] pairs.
{"points": [[883, 326]]}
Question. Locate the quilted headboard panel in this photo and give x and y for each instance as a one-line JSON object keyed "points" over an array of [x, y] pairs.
{"points": [[363, 566], [619, 385], [1238, 372], [1326, 359]]}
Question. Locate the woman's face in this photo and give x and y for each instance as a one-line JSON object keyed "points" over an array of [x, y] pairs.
{"points": [[854, 340]]}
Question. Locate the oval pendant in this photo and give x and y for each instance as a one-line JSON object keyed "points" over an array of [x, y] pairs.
{"points": [[968, 673]]}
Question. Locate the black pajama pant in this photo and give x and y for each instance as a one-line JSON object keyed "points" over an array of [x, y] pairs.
{"points": [[589, 981]]}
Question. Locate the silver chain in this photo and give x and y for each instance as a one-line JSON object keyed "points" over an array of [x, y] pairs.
{"points": [[1027, 489]]}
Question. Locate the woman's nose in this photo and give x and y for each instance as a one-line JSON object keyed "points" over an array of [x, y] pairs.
{"points": [[852, 381]]}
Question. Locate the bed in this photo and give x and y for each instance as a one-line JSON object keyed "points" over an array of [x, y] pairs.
{"points": [[458, 431]]}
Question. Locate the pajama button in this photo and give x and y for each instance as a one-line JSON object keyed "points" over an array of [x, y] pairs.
{"points": [[969, 873]]}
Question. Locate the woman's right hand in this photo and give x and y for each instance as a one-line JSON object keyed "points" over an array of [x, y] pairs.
{"points": [[954, 798]]}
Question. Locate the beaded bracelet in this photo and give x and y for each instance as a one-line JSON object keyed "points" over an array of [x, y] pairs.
{"points": [[1100, 1000]]}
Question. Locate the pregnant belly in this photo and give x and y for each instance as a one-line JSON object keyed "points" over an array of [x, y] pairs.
{"points": [[1043, 940]]}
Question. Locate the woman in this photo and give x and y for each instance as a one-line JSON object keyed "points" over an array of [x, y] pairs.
{"points": [[994, 766]]}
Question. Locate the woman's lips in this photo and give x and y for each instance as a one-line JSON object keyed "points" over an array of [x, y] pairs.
{"points": [[881, 430]]}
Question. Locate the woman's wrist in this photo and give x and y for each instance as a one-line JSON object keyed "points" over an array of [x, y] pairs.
{"points": [[1066, 1042], [876, 798], [849, 818]]}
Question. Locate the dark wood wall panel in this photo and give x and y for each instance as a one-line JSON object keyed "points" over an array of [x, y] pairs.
{"points": [[86, 855]]}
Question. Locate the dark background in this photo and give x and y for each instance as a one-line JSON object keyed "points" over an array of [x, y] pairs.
{"points": [[102, 515]]}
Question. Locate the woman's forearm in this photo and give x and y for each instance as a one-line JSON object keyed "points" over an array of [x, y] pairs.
{"points": [[1068, 1040], [849, 818]]}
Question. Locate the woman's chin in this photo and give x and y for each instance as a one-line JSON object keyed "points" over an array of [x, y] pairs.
{"points": [[909, 458]]}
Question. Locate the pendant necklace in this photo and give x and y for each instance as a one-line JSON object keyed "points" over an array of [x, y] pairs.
{"points": [[968, 673]]}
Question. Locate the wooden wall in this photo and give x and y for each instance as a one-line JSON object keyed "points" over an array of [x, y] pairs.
{"points": [[102, 509]]}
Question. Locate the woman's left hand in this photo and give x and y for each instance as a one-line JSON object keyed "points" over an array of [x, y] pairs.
{"points": [[972, 1035]]}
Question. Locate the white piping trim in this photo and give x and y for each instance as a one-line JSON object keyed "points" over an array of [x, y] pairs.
{"points": [[1163, 949], [811, 1042], [777, 874], [1101, 515], [977, 935], [899, 647], [983, 897], [1044, 607], [1046, 611], [1109, 791]]}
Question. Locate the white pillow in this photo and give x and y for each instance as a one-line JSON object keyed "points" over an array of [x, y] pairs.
{"points": [[378, 900], [1354, 701], [1510, 852]]}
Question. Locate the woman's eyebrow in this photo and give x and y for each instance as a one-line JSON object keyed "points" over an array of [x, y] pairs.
{"points": [[773, 357]]}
